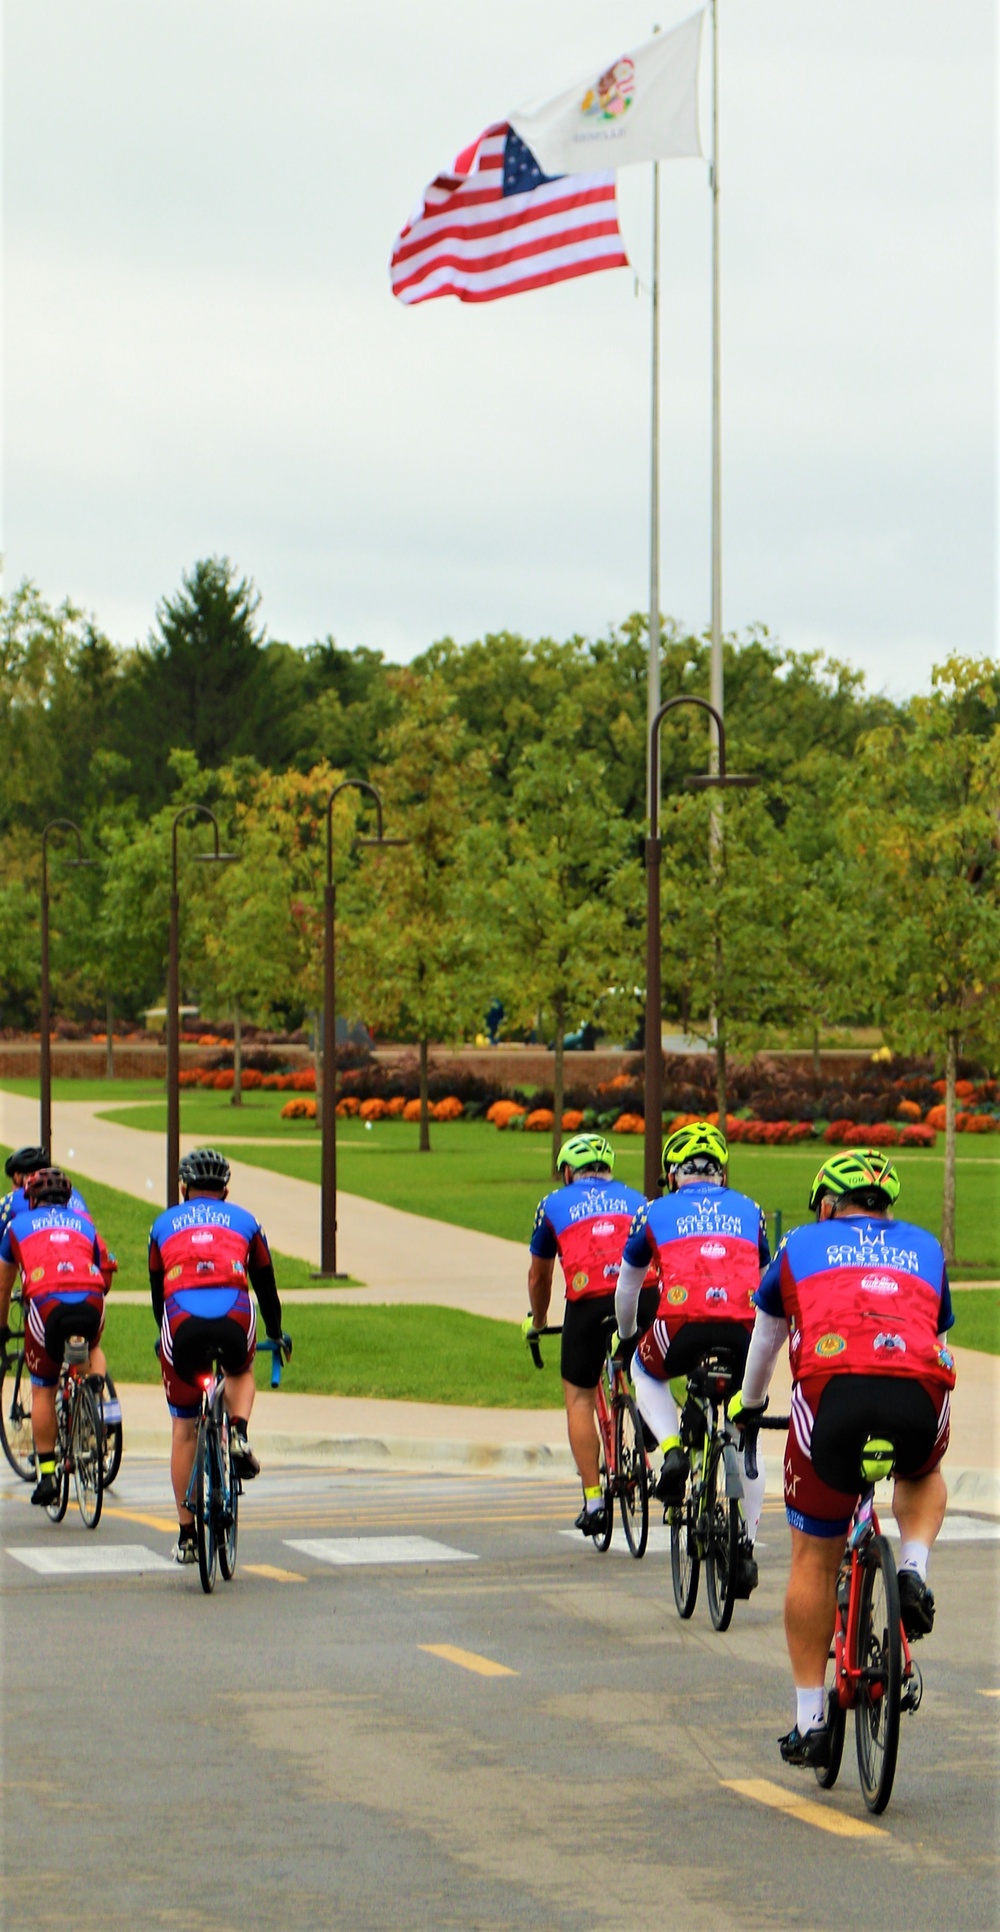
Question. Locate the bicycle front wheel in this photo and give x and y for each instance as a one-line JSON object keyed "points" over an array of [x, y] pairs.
{"points": [[633, 1477], [15, 1417], [879, 1661], [204, 1513], [229, 1500], [721, 1541], [685, 1563], [88, 1456]]}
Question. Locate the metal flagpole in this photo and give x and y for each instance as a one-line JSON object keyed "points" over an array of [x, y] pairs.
{"points": [[653, 674], [716, 667]]}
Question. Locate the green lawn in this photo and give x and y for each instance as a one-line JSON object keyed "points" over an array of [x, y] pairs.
{"points": [[404, 1354], [125, 1222], [97, 1089], [977, 1319], [478, 1178]]}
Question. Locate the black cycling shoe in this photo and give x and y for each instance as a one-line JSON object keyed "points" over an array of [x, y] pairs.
{"points": [[806, 1747], [747, 1576], [593, 1522], [916, 1605], [46, 1490], [244, 1461], [669, 1485]]}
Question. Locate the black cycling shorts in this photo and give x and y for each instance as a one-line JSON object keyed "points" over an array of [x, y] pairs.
{"points": [[729, 1341], [854, 1407], [586, 1334], [199, 1343]]}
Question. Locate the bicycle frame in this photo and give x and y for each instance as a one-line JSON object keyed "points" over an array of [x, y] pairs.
{"points": [[849, 1676]]}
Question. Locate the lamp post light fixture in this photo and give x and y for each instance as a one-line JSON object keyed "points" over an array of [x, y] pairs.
{"points": [[654, 1044], [328, 1118], [214, 857], [45, 1068]]}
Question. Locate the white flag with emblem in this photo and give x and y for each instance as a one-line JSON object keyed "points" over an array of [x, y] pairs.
{"points": [[644, 107]]}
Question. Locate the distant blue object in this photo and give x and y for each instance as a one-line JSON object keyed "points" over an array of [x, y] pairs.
{"points": [[274, 1350], [494, 1021]]}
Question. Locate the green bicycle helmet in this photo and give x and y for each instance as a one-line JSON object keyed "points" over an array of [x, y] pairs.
{"points": [[586, 1150], [705, 1146], [853, 1171]]}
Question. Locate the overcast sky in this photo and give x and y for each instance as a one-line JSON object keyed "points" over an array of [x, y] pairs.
{"points": [[201, 353]]}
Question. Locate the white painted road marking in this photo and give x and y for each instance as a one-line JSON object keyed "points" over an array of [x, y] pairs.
{"points": [[957, 1529], [95, 1559], [379, 1549]]}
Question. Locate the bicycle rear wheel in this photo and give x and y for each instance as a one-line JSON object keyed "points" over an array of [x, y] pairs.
{"points": [[685, 1562], [204, 1514], [879, 1660], [113, 1438], [15, 1417], [721, 1543], [57, 1510], [88, 1455], [632, 1476], [836, 1724], [229, 1502]]}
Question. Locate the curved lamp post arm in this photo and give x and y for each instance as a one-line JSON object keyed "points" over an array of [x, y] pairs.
{"points": [[45, 1056], [328, 1107], [653, 1042], [215, 857]]}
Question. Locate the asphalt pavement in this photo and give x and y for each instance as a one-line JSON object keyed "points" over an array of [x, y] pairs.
{"points": [[425, 1702]]}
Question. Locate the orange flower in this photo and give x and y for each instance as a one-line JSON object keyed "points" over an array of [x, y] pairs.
{"points": [[571, 1120], [539, 1121], [629, 1124], [450, 1108]]}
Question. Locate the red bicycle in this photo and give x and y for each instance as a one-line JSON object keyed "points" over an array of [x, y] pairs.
{"points": [[874, 1673], [623, 1465]]}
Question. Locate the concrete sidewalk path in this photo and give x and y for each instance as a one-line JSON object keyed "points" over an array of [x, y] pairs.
{"points": [[344, 1431], [400, 1257]]}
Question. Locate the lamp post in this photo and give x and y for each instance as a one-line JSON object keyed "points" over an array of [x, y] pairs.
{"points": [[654, 1046], [45, 1069], [214, 857], [328, 1209]]}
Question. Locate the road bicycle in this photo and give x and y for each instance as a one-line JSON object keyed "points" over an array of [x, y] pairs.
{"points": [[213, 1495], [707, 1529], [624, 1468], [79, 1450], [15, 1399], [874, 1673], [15, 1409]]}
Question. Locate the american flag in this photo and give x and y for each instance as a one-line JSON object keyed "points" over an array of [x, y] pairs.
{"points": [[496, 225]]}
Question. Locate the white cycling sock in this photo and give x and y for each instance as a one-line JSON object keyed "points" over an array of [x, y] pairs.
{"points": [[810, 1709], [753, 1500], [914, 1556], [655, 1403]]}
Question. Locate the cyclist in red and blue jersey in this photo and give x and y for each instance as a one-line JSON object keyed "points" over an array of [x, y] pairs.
{"points": [[865, 1306], [17, 1167], [710, 1244], [204, 1257], [583, 1223], [60, 1259]]}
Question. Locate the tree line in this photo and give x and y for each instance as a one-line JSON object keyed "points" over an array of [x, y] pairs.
{"points": [[858, 882]]}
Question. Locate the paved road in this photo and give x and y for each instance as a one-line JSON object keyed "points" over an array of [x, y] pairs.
{"points": [[306, 1749]]}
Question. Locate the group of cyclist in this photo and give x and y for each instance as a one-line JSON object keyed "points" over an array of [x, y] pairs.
{"points": [[205, 1255], [862, 1300]]}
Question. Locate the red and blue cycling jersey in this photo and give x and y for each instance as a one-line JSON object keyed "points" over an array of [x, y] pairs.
{"points": [[862, 1297], [709, 1244], [585, 1224], [203, 1255], [57, 1252], [16, 1202]]}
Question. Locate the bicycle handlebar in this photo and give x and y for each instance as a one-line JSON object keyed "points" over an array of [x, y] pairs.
{"points": [[532, 1340], [751, 1429]]}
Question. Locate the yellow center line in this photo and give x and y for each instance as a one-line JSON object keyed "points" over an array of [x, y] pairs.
{"points": [[148, 1522], [989, 1693], [273, 1573], [763, 1792], [468, 1660]]}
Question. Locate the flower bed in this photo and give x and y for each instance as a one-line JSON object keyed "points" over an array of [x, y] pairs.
{"points": [[302, 1108]]}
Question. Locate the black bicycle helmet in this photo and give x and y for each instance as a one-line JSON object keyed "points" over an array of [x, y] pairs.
{"points": [[204, 1168], [26, 1160], [48, 1184]]}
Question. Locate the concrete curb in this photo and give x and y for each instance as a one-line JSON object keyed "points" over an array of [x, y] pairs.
{"points": [[975, 1490]]}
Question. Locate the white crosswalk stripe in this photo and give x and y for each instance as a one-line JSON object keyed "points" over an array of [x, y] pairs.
{"points": [[92, 1559], [378, 1549]]}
